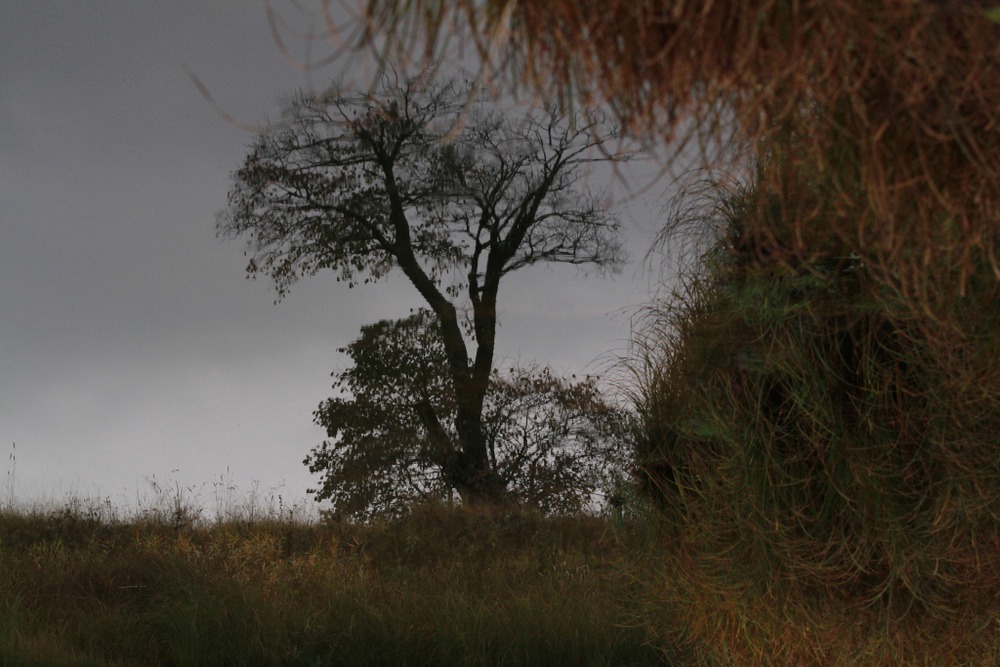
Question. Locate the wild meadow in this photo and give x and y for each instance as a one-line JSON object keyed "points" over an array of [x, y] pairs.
{"points": [[817, 400], [87, 584]]}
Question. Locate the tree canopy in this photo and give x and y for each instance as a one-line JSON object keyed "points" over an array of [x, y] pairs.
{"points": [[557, 444], [430, 179]]}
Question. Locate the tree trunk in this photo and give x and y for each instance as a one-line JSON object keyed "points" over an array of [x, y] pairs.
{"points": [[470, 471], [466, 468]]}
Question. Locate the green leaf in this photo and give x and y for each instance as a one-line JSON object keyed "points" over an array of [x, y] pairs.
{"points": [[993, 13]]}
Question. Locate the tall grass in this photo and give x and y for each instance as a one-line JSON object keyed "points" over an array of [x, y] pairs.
{"points": [[820, 418], [442, 587], [825, 459]]}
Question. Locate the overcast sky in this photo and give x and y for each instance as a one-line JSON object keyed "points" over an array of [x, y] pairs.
{"points": [[133, 347]]}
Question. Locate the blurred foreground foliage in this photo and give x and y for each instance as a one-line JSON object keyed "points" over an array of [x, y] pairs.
{"points": [[894, 103], [822, 396]]}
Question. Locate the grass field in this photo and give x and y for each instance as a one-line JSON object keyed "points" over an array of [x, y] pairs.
{"points": [[443, 587], [158, 584]]}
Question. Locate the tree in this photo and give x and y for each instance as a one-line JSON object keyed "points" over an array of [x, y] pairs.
{"points": [[554, 443], [427, 179]]}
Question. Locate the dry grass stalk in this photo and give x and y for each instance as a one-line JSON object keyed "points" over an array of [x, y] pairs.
{"points": [[899, 97], [822, 408]]}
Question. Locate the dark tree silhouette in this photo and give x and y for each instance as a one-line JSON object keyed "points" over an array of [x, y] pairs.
{"points": [[428, 179], [556, 444]]}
